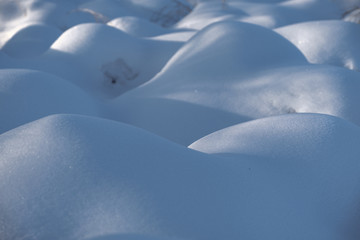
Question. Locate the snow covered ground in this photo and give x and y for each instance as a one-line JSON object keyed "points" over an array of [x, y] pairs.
{"points": [[179, 119]]}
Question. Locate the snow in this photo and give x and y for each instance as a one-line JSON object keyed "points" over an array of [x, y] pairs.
{"points": [[84, 41], [83, 54], [333, 42], [179, 119], [79, 191], [137, 27], [28, 95], [265, 13], [186, 101], [305, 137], [30, 41], [315, 148]]}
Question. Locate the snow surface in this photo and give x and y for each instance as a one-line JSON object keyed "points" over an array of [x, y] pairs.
{"points": [[179, 119], [333, 42], [65, 188]]}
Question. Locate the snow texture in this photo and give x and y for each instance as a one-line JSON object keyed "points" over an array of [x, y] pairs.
{"points": [[179, 119]]}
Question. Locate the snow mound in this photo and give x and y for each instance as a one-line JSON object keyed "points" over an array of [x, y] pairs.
{"points": [[28, 95], [316, 149], [186, 109], [186, 101], [76, 177], [32, 40], [137, 26], [80, 39], [185, 93], [299, 137], [229, 46], [208, 12], [265, 13], [121, 61], [288, 12], [332, 42]]}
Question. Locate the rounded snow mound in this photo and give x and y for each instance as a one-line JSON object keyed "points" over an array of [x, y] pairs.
{"points": [[75, 177], [30, 41], [312, 148], [28, 95], [137, 26], [111, 61], [332, 42], [96, 37], [231, 46], [306, 137], [209, 12]]}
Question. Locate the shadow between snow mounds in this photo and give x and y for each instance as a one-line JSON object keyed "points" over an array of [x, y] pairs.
{"points": [[177, 121]]}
